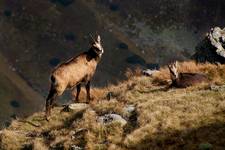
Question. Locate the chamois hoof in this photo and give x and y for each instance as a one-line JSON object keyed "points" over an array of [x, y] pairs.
{"points": [[87, 102], [47, 117]]}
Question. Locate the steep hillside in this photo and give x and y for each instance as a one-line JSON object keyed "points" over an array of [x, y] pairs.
{"points": [[36, 35], [191, 118], [17, 97]]}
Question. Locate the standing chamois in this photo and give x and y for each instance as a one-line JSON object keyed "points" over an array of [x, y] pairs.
{"points": [[78, 70], [183, 80]]}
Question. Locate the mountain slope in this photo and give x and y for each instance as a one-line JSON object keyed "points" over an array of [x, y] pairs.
{"points": [[191, 118], [37, 35]]}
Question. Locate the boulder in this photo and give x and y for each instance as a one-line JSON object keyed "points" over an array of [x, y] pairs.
{"points": [[149, 72], [212, 47], [75, 107], [111, 118], [130, 113]]}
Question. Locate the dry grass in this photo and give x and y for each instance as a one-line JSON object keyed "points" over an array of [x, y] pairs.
{"points": [[166, 119]]}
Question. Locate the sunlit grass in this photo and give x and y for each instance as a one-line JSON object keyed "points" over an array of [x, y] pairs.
{"points": [[166, 118]]}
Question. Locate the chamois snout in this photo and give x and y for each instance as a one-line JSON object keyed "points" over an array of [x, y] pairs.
{"points": [[183, 80], [97, 46], [173, 71]]}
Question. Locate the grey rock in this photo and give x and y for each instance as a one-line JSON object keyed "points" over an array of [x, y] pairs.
{"points": [[217, 38], [75, 147], [212, 47], [149, 72], [128, 111], [217, 88], [111, 118], [77, 133], [75, 107], [130, 114]]}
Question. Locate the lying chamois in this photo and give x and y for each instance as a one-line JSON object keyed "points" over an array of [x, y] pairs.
{"points": [[73, 73], [183, 80]]}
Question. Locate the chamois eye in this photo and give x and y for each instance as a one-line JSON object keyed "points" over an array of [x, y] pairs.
{"points": [[97, 49]]}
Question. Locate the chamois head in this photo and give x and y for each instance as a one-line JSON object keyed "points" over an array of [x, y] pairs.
{"points": [[97, 46], [173, 70]]}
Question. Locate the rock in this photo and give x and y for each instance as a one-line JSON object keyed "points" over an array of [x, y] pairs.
{"points": [[212, 48], [217, 38], [110, 118], [78, 132], [149, 72], [130, 114], [128, 111], [75, 147], [79, 106], [216, 88], [76, 107]]}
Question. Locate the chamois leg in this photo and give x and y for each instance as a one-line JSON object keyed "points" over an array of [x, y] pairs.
{"points": [[49, 101], [88, 85], [78, 92]]}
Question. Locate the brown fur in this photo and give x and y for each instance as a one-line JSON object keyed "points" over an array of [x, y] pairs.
{"points": [[183, 80], [73, 73]]}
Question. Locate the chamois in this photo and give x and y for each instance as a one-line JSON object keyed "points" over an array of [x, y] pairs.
{"points": [[76, 71], [183, 80]]}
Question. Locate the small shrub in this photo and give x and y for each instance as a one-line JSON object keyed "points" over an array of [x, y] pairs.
{"points": [[63, 2], [15, 103], [7, 13], [54, 62], [123, 45], [135, 60], [114, 6], [70, 36]]}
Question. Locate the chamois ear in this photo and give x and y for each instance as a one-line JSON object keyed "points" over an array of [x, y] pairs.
{"points": [[92, 40], [176, 64], [98, 39], [169, 67]]}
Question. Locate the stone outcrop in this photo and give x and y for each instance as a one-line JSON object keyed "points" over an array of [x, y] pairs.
{"points": [[212, 48]]}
